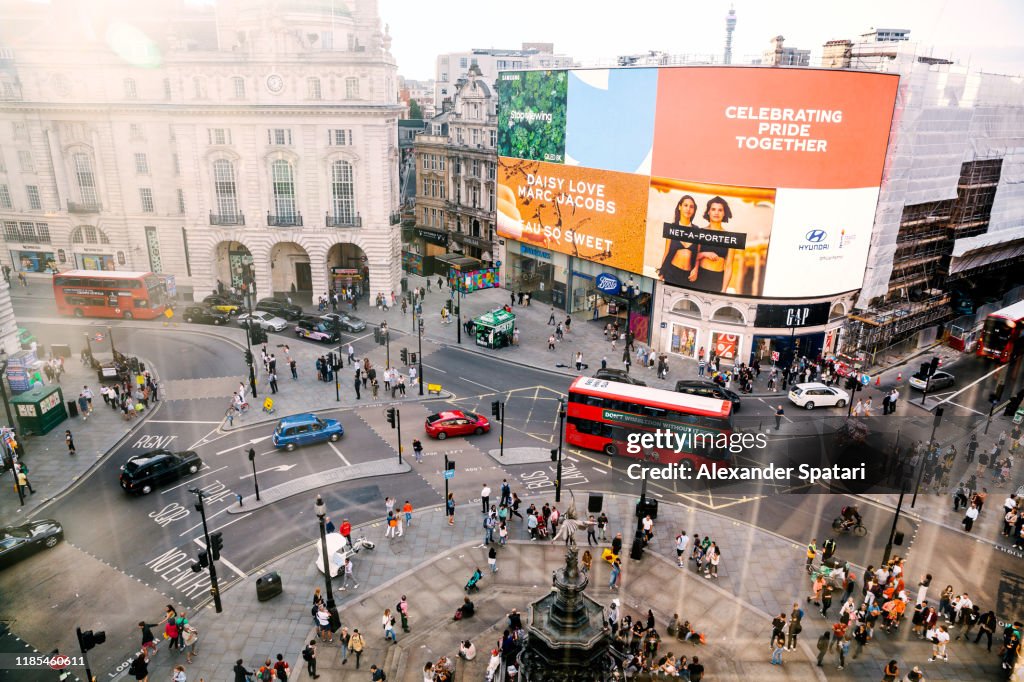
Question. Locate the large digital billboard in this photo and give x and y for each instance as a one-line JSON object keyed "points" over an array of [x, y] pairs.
{"points": [[755, 181]]}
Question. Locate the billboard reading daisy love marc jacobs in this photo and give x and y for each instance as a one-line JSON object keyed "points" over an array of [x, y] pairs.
{"points": [[738, 180]]}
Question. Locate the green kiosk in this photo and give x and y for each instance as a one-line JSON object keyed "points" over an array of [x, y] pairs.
{"points": [[494, 329], [40, 409]]}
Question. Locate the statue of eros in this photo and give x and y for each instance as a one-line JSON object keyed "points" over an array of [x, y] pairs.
{"points": [[568, 524]]}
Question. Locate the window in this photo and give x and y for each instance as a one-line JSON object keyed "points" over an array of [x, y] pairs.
{"points": [[86, 179], [728, 314], [19, 131], [339, 138], [351, 88], [490, 198], [426, 162], [476, 169], [176, 162], [426, 187], [198, 87], [284, 189], [444, 79], [313, 88], [279, 136], [181, 202], [87, 234], [494, 138], [146, 199], [238, 84], [43, 233], [25, 161], [686, 307], [141, 164], [5, 197], [224, 187], [343, 193], [459, 137], [490, 169], [326, 40], [129, 89], [167, 88], [218, 135], [463, 62], [476, 196], [475, 136], [135, 131], [32, 191]]}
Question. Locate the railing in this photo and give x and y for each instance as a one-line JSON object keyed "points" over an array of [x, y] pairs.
{"points": [[284, 220], [341, 221], [227, 219], [82, 207]]}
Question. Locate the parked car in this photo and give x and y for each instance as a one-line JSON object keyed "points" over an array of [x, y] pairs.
{"points": [[939, 381], [456, 423], [288, 311], [316, 330], [225, 304], [142, 473], [618, 375], [815, 394], [203, 314], [348, 323], [709, 389], [19, 542], [263, 320], [305, 429]]}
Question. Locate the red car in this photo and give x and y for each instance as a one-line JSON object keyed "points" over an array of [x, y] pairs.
{"points": [[456, 423]]}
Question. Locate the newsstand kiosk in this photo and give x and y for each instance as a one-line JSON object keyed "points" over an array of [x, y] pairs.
{"points": [[39, 409], [494, 329]]}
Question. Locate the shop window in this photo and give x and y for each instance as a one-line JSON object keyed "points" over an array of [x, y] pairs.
{"points": [[686, 307], [728, 314], [838, 310]]}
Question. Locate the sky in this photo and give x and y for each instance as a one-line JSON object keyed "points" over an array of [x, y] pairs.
{"points": [[982, 33]]}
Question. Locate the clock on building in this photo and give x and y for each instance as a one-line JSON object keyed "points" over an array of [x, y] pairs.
{"points": [[275, 83]]}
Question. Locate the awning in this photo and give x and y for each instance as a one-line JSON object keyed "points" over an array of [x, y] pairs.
{"points": [[986, 255]]}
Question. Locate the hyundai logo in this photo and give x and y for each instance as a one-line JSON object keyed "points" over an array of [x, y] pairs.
{"points": [[816, 236]]}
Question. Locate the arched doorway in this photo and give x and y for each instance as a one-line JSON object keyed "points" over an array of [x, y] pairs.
{"points": [[233, 264], [290, 270], [348, 268]]}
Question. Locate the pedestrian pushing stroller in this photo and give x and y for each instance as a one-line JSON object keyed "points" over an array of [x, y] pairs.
{"points": [[473, 580]]}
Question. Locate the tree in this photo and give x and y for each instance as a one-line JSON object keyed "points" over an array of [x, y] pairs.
{"points": [[414, 110]]}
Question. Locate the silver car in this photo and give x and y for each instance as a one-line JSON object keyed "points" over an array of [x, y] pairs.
{"points": [[263, 320]]}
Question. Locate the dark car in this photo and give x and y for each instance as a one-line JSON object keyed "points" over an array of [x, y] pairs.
{"points": [[283, 309], [316, 330], [143, 473], [225, 304], [618, 375], [18, 542], [348, 323], [709, 389], [205, 315]]}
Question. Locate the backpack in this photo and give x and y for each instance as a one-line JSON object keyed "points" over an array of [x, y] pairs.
{"points": [[134, 667], [307, 654]]}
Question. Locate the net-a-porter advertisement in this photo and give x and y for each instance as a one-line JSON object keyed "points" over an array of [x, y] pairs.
{"points": [[745, 181]]}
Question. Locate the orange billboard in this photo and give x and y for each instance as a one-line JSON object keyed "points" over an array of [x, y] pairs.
{"points": [[592, 214], [794, 128]]}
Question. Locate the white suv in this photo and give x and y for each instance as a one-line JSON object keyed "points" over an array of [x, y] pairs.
{"points": [[815, 394]]}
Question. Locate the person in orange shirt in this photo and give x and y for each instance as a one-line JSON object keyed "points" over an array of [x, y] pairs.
{"points": [[407, 510]]}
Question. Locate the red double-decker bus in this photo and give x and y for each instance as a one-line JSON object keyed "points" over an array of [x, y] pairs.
{"points": [[101, 293], [1001, 337], [602, 415]]}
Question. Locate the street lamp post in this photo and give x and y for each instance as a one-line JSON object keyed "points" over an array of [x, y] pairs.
{"points": [[387, 344], [249, 360], [321, 515], [341, 362], [420, 354], [561, 430], [895, 520], [252, 458], [637, 549], [920, 471]]}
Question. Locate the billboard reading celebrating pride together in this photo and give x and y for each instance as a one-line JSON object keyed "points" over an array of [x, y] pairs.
{"points": [[735, 180]]}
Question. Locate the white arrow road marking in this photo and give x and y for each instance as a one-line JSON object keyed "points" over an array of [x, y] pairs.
{"points": [[282, 467]]}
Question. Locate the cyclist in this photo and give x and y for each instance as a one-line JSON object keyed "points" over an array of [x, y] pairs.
{"points": [[850, 517]]}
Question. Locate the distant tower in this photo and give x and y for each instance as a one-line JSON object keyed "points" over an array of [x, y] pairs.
{"points": [[730, 26]]}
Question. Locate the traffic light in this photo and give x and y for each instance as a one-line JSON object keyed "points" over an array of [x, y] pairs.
{"points": [[851, 383], [216, 545], [89, 639], [934, 365], [925, 370], [404, 354], [496, 409], [377, 336], [248, 357], [554, 454], [392, 413], [258, 335], [204, 562], [412, 358]]}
